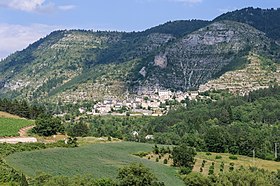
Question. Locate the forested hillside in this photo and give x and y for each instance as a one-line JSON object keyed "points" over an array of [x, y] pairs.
{"points": [[232, 124], [21, 108], [265, 20]]}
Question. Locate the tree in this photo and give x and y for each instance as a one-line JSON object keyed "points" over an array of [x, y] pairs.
{"points": [[79, 129], [47, 125], [136, 175], [72, 142], [216, 139], [183, 156], [245, 177], [196, 179]]}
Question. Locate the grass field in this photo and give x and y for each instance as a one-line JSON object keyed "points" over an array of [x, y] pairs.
{"points": [[11, 126], [99, 160]]}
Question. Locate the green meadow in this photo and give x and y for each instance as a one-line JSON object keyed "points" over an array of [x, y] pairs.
{"points": [[11, 126], [99, 160]]}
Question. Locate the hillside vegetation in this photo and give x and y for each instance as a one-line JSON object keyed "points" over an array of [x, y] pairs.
{"points": [[73, 65], [265, 20], [235, 124]]}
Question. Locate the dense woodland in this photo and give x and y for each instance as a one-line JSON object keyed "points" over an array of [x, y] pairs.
{"points": [[232, 124], [265, 20], [21, 108]]}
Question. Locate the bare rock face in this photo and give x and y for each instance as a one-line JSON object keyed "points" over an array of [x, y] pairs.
{"points": [[160, 60], [143, 71], [211, 35], [197, 57]]}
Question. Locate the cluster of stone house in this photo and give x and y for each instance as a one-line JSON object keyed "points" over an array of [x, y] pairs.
{"points": [[148, 103]]}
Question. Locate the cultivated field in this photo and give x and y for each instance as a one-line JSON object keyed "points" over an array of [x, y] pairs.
{"points": [[99, 160], [220, 162], [217, 159], [240, 161], [11, 126]]}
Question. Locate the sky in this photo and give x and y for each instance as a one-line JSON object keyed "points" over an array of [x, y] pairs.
{"points": [[24, 21]]}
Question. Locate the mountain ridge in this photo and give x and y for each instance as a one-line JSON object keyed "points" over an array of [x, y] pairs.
{"points": [[179, 55]]}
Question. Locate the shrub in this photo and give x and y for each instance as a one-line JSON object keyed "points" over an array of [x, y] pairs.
{"points": [[157, 159], [208, 153], [162, 150], [231, 168], [232, 157], [201, 169], [218, 157], [165, 161], [141, 154], [211, 172], [185, 170], [222, 166], [203, 163], [156, 149], [211, 169], [241, 167]]}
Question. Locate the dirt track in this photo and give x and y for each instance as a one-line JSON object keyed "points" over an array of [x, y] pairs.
{"points": [[23, 131]]}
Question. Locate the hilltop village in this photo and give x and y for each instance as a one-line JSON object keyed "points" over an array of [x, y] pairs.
{"points": [[149, 103]]}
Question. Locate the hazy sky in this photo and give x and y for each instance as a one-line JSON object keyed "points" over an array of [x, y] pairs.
{"points": [[25, 21]]}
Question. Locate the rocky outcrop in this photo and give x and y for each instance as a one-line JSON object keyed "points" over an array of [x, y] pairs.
{"points": [[160, 60]]}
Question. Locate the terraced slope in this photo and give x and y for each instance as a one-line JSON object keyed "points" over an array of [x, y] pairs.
{"points": [[259, 73]]}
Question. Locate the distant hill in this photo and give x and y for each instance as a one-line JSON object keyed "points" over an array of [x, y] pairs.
{"points": [[202, 55], [71, 65], [265, 20], [178, 28]]}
